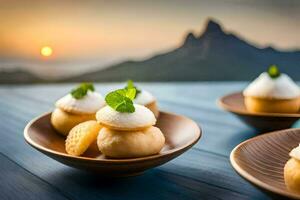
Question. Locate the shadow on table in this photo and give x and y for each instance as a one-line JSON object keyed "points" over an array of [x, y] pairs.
{"points": [[91, 179], [239, 136], [170, 181], [150, 185]]}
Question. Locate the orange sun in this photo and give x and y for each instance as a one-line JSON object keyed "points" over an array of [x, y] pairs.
{"points": [[46, 51]]}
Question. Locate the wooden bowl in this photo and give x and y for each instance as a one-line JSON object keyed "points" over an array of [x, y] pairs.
{"points": [[263, 122], [180, 132], [261, 160]]}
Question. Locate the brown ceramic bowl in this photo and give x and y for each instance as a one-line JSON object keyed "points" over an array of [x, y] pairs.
{"points": [[234, 103], [180, 132], [261, 160]]}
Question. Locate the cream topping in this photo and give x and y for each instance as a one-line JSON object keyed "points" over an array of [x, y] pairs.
{"points": [[295, 153], [89, 104], [141, 117], [282, 87], [144, 98]]}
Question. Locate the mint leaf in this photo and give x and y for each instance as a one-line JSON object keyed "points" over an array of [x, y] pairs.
{"points": [[121, 100], [131, 93], [273, 71], [130, 84], [80, 91], [88, 86]]}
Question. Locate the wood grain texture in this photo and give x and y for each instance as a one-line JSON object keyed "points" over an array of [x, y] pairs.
{"points": [[15, 179], [261, 159], [204, 172]]}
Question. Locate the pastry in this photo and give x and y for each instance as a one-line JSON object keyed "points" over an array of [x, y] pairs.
{"points": [[129, 144], [81, 137], [63, 121], [142, 118], [144, 98], [80, 105], [147, 99], [272, 92], [128, 128], [292, 171]]}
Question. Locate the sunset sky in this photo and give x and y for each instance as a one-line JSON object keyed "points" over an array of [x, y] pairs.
{"points": [[100, 32]]}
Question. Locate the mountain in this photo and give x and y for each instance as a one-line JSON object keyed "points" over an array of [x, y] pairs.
{"points": [[214, 55], [18, 76]]}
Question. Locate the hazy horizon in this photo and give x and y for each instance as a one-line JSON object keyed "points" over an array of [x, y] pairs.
{"points": [[87, 35]]}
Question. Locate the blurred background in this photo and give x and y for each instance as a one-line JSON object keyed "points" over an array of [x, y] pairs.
{"points": [[171, 40]]}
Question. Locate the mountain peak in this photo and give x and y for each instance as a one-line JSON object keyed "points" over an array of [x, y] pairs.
{"points": [[190, 39], [213, 27], [212, 30]]}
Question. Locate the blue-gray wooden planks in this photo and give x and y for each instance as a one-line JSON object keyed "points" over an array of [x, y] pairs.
{"points": [[204, 172], [18, 183]]}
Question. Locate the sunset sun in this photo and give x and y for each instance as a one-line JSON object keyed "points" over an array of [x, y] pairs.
{"points": [[46, 51]]}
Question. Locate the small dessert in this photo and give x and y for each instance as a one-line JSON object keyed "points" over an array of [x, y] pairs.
{"points": [[128, 129], [81, 137], [140, 119], [144, 98], [292, 171], [272, 92], [80, 105]]}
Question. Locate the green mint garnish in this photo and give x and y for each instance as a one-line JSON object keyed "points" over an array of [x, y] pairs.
{"points": [[80, 91], [121, 100], [130, 84], [273, 71]]}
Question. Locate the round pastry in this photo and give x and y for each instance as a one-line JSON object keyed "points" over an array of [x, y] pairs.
{"points": [[146, 99], [292, 171], [128, 128], [78, 106], [130, 144], [89, 104], [81, 137], [140, 119], [63, 121], [272, 92]]}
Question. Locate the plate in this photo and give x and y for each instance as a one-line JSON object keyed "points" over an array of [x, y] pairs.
{"points": [[262, 122], [261, 160], [180, 132]]}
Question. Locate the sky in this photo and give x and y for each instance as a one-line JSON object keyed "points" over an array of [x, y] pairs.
{"points": [[88, 34]]}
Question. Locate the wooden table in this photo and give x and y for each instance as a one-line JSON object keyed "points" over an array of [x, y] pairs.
{"points": [[204, 172]]}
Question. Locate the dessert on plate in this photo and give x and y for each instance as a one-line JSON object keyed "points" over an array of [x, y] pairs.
{"points": [[272, 92], [80, 105], [128, 129], [292, 171], [145, 98], [81, 137]]}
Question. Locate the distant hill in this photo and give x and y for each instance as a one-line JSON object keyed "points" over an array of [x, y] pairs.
{"points": [[18, 76], [212, 56]]}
